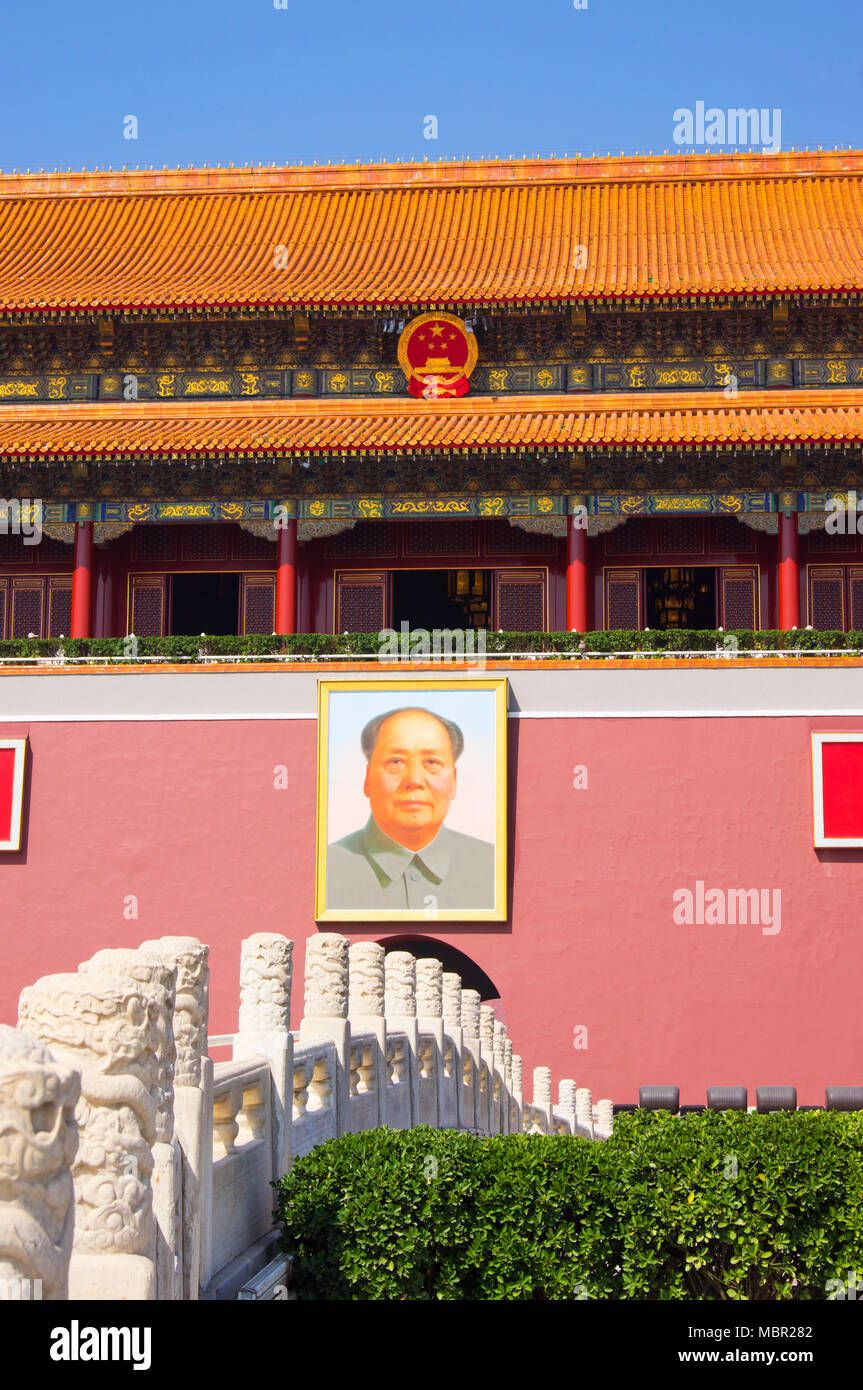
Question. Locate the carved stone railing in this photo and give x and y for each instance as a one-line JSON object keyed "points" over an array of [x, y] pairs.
{"points": [[315, 1073], [175, 1157], [38, 1143], [242, 1164]]}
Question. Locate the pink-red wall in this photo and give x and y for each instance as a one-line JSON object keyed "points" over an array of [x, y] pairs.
{"points": [[184, 818]]}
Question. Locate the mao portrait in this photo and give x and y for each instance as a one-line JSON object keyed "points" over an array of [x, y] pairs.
{"points": [[411, 800]]}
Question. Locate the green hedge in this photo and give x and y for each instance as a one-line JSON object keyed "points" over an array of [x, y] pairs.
{"points": [[706, 1206], [310, 646]]}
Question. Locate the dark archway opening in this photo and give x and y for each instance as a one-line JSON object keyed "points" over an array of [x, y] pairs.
{"points": [[681, 598], [205, 603], [453, 960], [441, 598]]}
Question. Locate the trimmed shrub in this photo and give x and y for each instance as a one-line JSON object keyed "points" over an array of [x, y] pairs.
{"points": [[708, 1206], [310, 646]]}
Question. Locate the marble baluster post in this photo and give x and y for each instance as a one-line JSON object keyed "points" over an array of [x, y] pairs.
{"points": [[326, 1009], [429, 976], [542, 1097], [566, 1102], [102, 1024], [265, 1029], [470, 1006], [38, 1143], [193, 1099], [604, 1125], [366, 1011], [584, 1112], [502, 1106], [400, 1009], [518, 1092], [486, 1037], [511, 1126], [452, 1059], [161, 980]]}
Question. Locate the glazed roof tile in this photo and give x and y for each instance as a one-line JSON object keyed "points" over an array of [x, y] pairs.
{"points": [[687, 419], [420, 235]]}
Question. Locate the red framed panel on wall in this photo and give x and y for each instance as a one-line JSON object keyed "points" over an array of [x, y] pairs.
{"points": [[361, 600], [837, 790], [13, 756]]}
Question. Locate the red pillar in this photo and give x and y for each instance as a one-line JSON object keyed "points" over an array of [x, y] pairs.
{"points": [[103, 607], [788, 580], [82, 576], [286, 578], [576, 574]]}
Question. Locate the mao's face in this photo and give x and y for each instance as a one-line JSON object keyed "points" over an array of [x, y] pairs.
{"points": [[411, 778]]}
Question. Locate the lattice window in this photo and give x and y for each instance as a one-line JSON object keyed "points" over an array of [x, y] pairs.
{"points": [[148, 606], [54, 551], [738, 593], [623, 599], [14, 551], [730, 536], [521, 600], [855, 586], [503, 539], [27, 605], [376, 539], [59, 607], [634, 537], [4, 603], [258, 603], [154, 542], [249, 547], [361, 602], [441, 538], [827, 597], [203, 542], [825, 543], [680, 535]]}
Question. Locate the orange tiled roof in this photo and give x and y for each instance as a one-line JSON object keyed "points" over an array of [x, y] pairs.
{"points": [[411, 236], [471, 423]]}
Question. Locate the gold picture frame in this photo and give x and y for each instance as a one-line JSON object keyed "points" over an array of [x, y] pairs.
{"points": [[378, 872]]}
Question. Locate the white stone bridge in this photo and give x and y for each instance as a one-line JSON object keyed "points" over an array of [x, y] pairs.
{"points": [[133, 1167]]}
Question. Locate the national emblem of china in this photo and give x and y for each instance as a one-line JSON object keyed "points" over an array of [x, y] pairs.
{"points": [[437, 355]]}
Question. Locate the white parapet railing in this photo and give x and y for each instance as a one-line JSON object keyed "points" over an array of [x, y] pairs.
{"points": [[188, 1149]]}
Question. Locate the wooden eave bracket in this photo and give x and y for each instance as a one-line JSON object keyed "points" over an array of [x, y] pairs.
{"points": [[780, 320], [578, 323], [301, 329], [105, 325]]}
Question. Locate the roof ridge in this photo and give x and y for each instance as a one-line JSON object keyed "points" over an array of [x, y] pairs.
{"points": [[639, 168]]}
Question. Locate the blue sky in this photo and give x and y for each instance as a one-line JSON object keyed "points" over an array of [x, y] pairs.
{"points": [[239, 81]]}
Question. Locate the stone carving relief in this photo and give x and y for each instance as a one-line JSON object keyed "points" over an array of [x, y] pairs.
{"points": [[161, 982], [102, 1023], [451, 988], [38, 1141], [486, 1026], [470, 1005], [265, 983], [327, 976], [541, 525], [429, 977], [188, 957], [400, 984], [366, 979], [542, 1085]]}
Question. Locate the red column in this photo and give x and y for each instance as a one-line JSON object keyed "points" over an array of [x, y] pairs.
{"points": [[103, 607], [82, 576], [576, 573], [788, 577], [286, 578]]}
